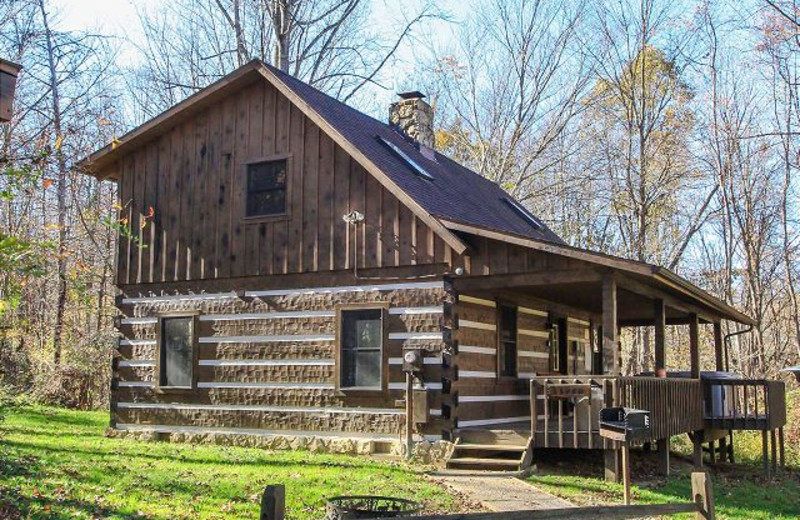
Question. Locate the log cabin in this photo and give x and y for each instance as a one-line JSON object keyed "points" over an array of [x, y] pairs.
{"points": [[284, 252]]}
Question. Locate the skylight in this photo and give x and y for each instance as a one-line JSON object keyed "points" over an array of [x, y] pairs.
{"points": [[411, 162], [522, 212]]}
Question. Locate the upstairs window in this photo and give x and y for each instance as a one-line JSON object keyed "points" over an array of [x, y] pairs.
{"points": [[266, 188], [507, 336], [176, 352], [361, 349]]}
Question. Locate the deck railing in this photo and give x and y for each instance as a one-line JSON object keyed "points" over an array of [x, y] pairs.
{"points": [[565, 409], [744, 404], [675, 404]]}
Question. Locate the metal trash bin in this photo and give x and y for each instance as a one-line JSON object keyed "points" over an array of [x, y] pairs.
{"points": [[364, 506]]}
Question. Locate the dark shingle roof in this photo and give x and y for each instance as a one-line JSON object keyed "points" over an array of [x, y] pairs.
{"points": [[456, 193]]}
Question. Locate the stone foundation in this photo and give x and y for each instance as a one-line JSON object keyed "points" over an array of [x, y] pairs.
{"points": [[425, 452]]}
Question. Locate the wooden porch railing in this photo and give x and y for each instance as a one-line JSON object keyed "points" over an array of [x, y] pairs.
{"points": [[557, 421], [565, 409], [675, 405], [744, 404]]}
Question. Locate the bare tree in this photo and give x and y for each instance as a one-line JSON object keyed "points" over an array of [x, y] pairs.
{"points": [[506, 92], [327, 43], [61, 186], [65, 107]]}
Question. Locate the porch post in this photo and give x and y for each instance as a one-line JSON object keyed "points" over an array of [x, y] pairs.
{"points": [[694, 345], [718, 347], [613, 459], [719, 362], [660, 322], [694, 354], [610, 326], [660, 325]]}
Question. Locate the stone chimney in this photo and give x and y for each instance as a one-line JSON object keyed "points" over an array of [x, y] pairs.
{"points": [[414, 117]]}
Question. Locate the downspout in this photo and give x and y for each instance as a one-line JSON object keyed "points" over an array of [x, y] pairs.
{"points": [[726, 342]]}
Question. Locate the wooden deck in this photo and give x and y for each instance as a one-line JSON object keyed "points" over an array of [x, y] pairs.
{"points": [[744, 404], [565, 409], [565, 415]]}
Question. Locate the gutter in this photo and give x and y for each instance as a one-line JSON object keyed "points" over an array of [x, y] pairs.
{"points": [[669, 278]]}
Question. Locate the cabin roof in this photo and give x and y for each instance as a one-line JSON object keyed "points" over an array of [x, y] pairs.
{"points": [[455, 193], [457, 200]]}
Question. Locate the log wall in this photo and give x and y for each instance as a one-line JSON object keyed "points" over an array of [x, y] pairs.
{"points": [[266, 360], [480, 397]]}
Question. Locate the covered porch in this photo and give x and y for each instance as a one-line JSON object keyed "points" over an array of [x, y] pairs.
{"points": [[614, 294]]}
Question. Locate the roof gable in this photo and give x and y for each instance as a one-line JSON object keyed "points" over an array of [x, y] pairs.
{"points": [[455, 193]]}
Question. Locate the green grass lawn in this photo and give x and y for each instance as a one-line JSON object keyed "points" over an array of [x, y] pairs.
{"points": [[56, 464], [740, 490]]}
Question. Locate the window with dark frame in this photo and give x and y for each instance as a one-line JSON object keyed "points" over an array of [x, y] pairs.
{"points": [[266, 188], [361, 349], [176, 352], [507, 336]]}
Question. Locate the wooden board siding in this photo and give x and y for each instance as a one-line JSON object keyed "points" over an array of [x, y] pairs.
{"points": [[266, 361], [193, 178], [482, 397]]}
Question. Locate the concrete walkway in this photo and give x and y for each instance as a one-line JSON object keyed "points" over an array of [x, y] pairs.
{"points": [[498, 493]]}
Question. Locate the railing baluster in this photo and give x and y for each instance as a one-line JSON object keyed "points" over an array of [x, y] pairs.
{"points": [[546, 416], [560, 423]]}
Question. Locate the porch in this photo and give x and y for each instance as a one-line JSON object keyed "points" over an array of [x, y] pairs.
{"points": [[565, 400], [565, 411]]}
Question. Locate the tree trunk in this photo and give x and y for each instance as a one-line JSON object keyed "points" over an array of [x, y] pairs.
{"points": [[282, 25], [61, 247]]}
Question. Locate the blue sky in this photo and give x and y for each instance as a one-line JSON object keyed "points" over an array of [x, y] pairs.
{"points": [[119, 18]]}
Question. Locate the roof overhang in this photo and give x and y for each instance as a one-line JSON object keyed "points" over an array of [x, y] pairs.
{"points": [[637, 277]]}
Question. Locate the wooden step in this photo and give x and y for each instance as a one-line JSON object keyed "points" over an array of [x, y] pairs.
{"points": [[482, 463], [490, 447], [494, 437]]}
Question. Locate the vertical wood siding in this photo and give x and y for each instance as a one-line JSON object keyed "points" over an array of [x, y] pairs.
{"points": [[193, 177], [183, 197]]}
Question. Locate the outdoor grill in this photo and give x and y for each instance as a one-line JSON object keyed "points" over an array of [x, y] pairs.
{"points": [[625, 424]]}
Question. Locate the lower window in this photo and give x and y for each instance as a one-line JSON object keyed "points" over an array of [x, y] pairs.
{"points": [[361, 349], [176, 352]]}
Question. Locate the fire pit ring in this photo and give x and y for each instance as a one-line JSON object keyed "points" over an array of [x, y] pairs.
{"points": [[365, 506]]}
